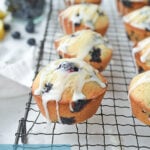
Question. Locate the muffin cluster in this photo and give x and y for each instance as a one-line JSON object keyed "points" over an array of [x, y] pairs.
{"points": [[70, 90], [136, 18]]}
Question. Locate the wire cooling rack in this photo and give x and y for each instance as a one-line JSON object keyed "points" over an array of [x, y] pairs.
{"points": [[113, 127]]}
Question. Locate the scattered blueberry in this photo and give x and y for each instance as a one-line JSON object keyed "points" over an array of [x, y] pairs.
{"points": [[31, 41], [68, 66], [95, 54], [127, 3], [6, 27], [16, 35], [30, 27], [79, 105], [47, 87], [66, 120]]}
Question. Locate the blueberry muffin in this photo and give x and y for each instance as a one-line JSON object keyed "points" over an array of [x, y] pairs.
{"points": [[86, 45], [139, 97], [127, 6], [137, 24], [68, 91], [83, 16], [72, 2], [141, 53]]}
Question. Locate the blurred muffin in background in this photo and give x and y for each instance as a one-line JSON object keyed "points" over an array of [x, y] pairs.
{"points": [[137, 24], [141, 53], [127, 6], [72, 2], [86, 45], [83, 16], [139, 97]]}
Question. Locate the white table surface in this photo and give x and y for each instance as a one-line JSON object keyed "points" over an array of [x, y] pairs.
{"points": [[14, 95]]}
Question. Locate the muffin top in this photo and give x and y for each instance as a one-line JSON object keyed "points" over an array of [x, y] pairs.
{"points": [[87, 14], [139, 18], [143, 50], [140, 88], [82, 43], [66, 80]]}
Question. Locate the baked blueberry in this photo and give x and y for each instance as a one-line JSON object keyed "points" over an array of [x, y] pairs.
{"points": [[30, 27], [95, 54], [68, 66], [77, 24], [79, 105], [66, 120], [127, 3], [47, 87], [140, 69], [128, 36], [78, 20], [147, 29], [16, 35], [31, 41], [100, 13]]}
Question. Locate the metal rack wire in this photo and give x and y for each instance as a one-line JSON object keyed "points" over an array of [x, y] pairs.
{"points": [[113, 127]]}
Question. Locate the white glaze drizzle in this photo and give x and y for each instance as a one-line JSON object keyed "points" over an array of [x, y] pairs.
{"points": [[87, 14], [141, 45], [92, 39], [62, 82], [144, 79], [139, 18], [144, 56]]}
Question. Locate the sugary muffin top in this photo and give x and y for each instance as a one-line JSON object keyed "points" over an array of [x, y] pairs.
{"points": [[139, 18], [143, 48], [87, 14], [82, 43], [67, 74], [140, 88]]}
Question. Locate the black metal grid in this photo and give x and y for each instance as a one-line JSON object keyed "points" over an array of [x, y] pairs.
{"points": [[113, 127]]}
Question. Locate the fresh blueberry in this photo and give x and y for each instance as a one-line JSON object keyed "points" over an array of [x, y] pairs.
{"points": [[68, 66], [30, 27], [66, 120], [6, 27], [16, 35], [79, 105], [47, 87], [31, 41], [95, 54]]}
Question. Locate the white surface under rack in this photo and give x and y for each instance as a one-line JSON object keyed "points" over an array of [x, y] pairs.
{"points": [[113, 127]]}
